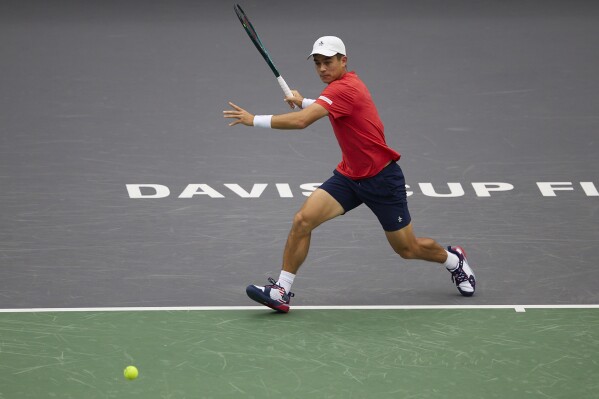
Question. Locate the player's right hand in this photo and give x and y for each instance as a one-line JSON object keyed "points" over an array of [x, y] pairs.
{"points": [[296, 100]]}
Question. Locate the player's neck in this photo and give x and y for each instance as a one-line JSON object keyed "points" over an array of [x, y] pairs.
{"points": [[341, 75]]}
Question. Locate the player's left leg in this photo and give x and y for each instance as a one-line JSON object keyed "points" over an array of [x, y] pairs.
{"points": [[317, 209]]}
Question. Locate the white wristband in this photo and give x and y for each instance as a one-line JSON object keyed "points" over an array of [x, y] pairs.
{"points": [[306, 102], [262, 121]]}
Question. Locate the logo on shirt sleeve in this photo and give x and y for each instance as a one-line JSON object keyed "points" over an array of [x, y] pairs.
{"points": [[326, 100]]}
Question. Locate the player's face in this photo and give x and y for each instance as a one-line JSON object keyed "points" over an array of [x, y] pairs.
{"points": [[329, 68]]}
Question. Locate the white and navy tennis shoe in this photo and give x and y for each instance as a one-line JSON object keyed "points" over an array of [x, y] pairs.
{"points": [[272, 295], [463, 276]]}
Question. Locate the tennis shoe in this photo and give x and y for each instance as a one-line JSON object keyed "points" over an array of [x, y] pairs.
{"points": [[272, 295], [463, 276]]}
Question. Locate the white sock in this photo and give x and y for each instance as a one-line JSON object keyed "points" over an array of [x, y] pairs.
{"points": [[286, 280], [452, 261]]}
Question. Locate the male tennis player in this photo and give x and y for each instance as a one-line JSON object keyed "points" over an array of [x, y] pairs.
{"points": [[367, 174]]}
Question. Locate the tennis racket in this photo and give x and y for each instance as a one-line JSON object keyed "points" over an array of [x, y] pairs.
{"points": [[249, 28]]}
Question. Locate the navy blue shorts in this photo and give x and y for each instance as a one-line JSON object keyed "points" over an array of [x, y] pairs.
{"points": [[384, 194]]}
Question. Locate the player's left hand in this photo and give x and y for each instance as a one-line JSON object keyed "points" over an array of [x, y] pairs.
{"points": [[240, 114]]}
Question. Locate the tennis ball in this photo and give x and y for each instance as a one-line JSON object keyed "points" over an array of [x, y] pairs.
{"points": [[131, 372]]}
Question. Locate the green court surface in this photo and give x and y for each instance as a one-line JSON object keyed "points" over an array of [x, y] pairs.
{"points": [[473, 353]]}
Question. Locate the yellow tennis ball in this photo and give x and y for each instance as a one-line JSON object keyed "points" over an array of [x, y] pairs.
{"points": [[131, 372]]}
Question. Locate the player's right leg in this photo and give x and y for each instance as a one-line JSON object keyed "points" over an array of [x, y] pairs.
{"points": [[408, 246], [317, 209]]}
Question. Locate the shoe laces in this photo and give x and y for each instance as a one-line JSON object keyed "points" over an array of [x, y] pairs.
{"points": [[273, 284], [458, 276]]}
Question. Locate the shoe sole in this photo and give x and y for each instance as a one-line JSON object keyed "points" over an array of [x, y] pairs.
{"points": [[259, 296]]}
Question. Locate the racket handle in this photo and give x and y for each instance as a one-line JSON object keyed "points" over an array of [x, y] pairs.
{"points": [[286, 90], [284, 86]]}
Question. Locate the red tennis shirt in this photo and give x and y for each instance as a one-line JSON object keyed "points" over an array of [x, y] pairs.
{"points": [[357, 126]]}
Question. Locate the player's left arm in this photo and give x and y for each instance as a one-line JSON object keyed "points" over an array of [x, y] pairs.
{"points": [[291, 120]]}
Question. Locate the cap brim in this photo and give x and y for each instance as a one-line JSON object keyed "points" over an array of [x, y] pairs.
{"points": [[326, 53]]}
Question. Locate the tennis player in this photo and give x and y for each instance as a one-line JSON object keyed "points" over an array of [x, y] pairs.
{"points": [[367, 174]]}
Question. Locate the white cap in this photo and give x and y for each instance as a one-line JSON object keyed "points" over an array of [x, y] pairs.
{"points": [[328, 46]]}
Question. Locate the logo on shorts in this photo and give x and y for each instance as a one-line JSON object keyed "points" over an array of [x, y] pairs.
{"points": [[399, 219]]}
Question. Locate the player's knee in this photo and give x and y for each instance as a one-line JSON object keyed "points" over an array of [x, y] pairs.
{"points": [[406, 252], [302, 223]]}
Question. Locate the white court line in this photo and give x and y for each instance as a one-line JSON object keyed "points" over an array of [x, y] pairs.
{"points": [[517, 308]]}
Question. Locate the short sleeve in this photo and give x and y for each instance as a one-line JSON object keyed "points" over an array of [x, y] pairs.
{"points": [[338, 98]]}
